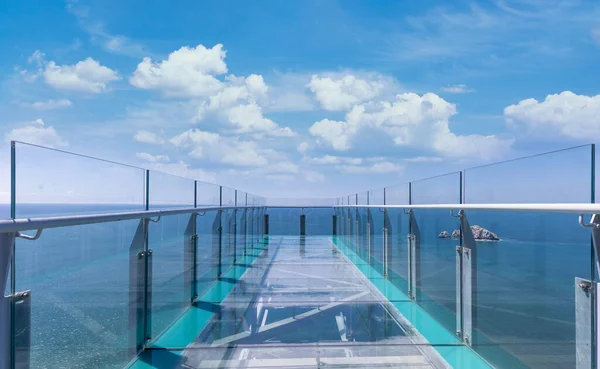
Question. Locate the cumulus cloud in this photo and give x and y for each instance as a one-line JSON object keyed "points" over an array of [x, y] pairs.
{"points": [[192, 73], [152, 158], [563, 115], [48, 104], [187, 72], [411, 120], [335, 133], [227, 150], [457, 89], [87, 76], [148, 137], [341, 92], [35, 133]]}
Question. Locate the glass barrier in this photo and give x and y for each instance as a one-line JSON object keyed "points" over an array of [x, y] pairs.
{"points": [[168, 191], [376, 221], [519, 324], [399, 225], [208, 194], [79, 283], [50, 182], [170, 239], [207, 263], [543, 178], [228, 229], [436, 265]]}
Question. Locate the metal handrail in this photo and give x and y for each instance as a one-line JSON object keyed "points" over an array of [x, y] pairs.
{"points": [[17, 225], [575, 208]]}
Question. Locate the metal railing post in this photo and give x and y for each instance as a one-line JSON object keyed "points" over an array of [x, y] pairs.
{"points": [[220, 233], [7, 242], [303, 225], [587, 309], [138, 288], [266, 226], [334, 225], [466, 281], [235, 231], [414, 257], [190, 257]]}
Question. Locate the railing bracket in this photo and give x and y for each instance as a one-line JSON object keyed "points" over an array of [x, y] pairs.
{"points": [[37, 235]]}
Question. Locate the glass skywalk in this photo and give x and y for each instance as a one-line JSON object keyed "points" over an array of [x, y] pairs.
{"points": [[159, 271]]}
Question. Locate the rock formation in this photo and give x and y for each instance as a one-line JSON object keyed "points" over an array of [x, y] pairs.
{"points": [[479, 233], [444, 234]]}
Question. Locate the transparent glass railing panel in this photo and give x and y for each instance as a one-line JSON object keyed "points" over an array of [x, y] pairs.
{"points": [[319, 221], [170, 240], [377, 224], [563, 176], [399, 224], [169, 191], [398, 258], [80, 294], [443, 189], [208, 194], [436, 277], [284, 221], [436, 285], [397, 195], [49, 182], [520, 324], [228, 240], [207, 263], [241, 230], [228, 196], [515, 318]]}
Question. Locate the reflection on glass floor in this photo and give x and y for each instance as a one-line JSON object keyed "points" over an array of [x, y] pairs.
{"points": [[303, 304]]}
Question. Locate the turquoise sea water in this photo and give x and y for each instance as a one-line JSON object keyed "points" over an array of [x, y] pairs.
{"points": [[79, 278]]}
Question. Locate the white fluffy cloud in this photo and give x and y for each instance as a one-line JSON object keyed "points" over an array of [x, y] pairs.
{"points": [[148, 137], [563, 115], [336, 93], [335, 133], [35, 133], [457, 89], [87, 76], [48, 105], [152, 158], [227, 150], [187, 72], [235, 102], [410, 121]]}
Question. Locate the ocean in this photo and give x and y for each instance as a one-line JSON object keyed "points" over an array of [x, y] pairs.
{"points": [[79, 278]]}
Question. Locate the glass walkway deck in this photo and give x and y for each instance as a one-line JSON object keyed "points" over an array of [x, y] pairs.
{"points": [[306, 302]]}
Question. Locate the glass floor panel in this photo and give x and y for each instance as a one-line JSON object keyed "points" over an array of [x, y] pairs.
{"points": [[303, 304]]}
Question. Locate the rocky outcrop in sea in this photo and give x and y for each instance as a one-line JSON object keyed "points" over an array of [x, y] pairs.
{"points": [[444, 234], [479, 233]]}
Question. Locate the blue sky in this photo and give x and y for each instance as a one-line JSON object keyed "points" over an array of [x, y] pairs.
{"points": [[305, 98]]}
